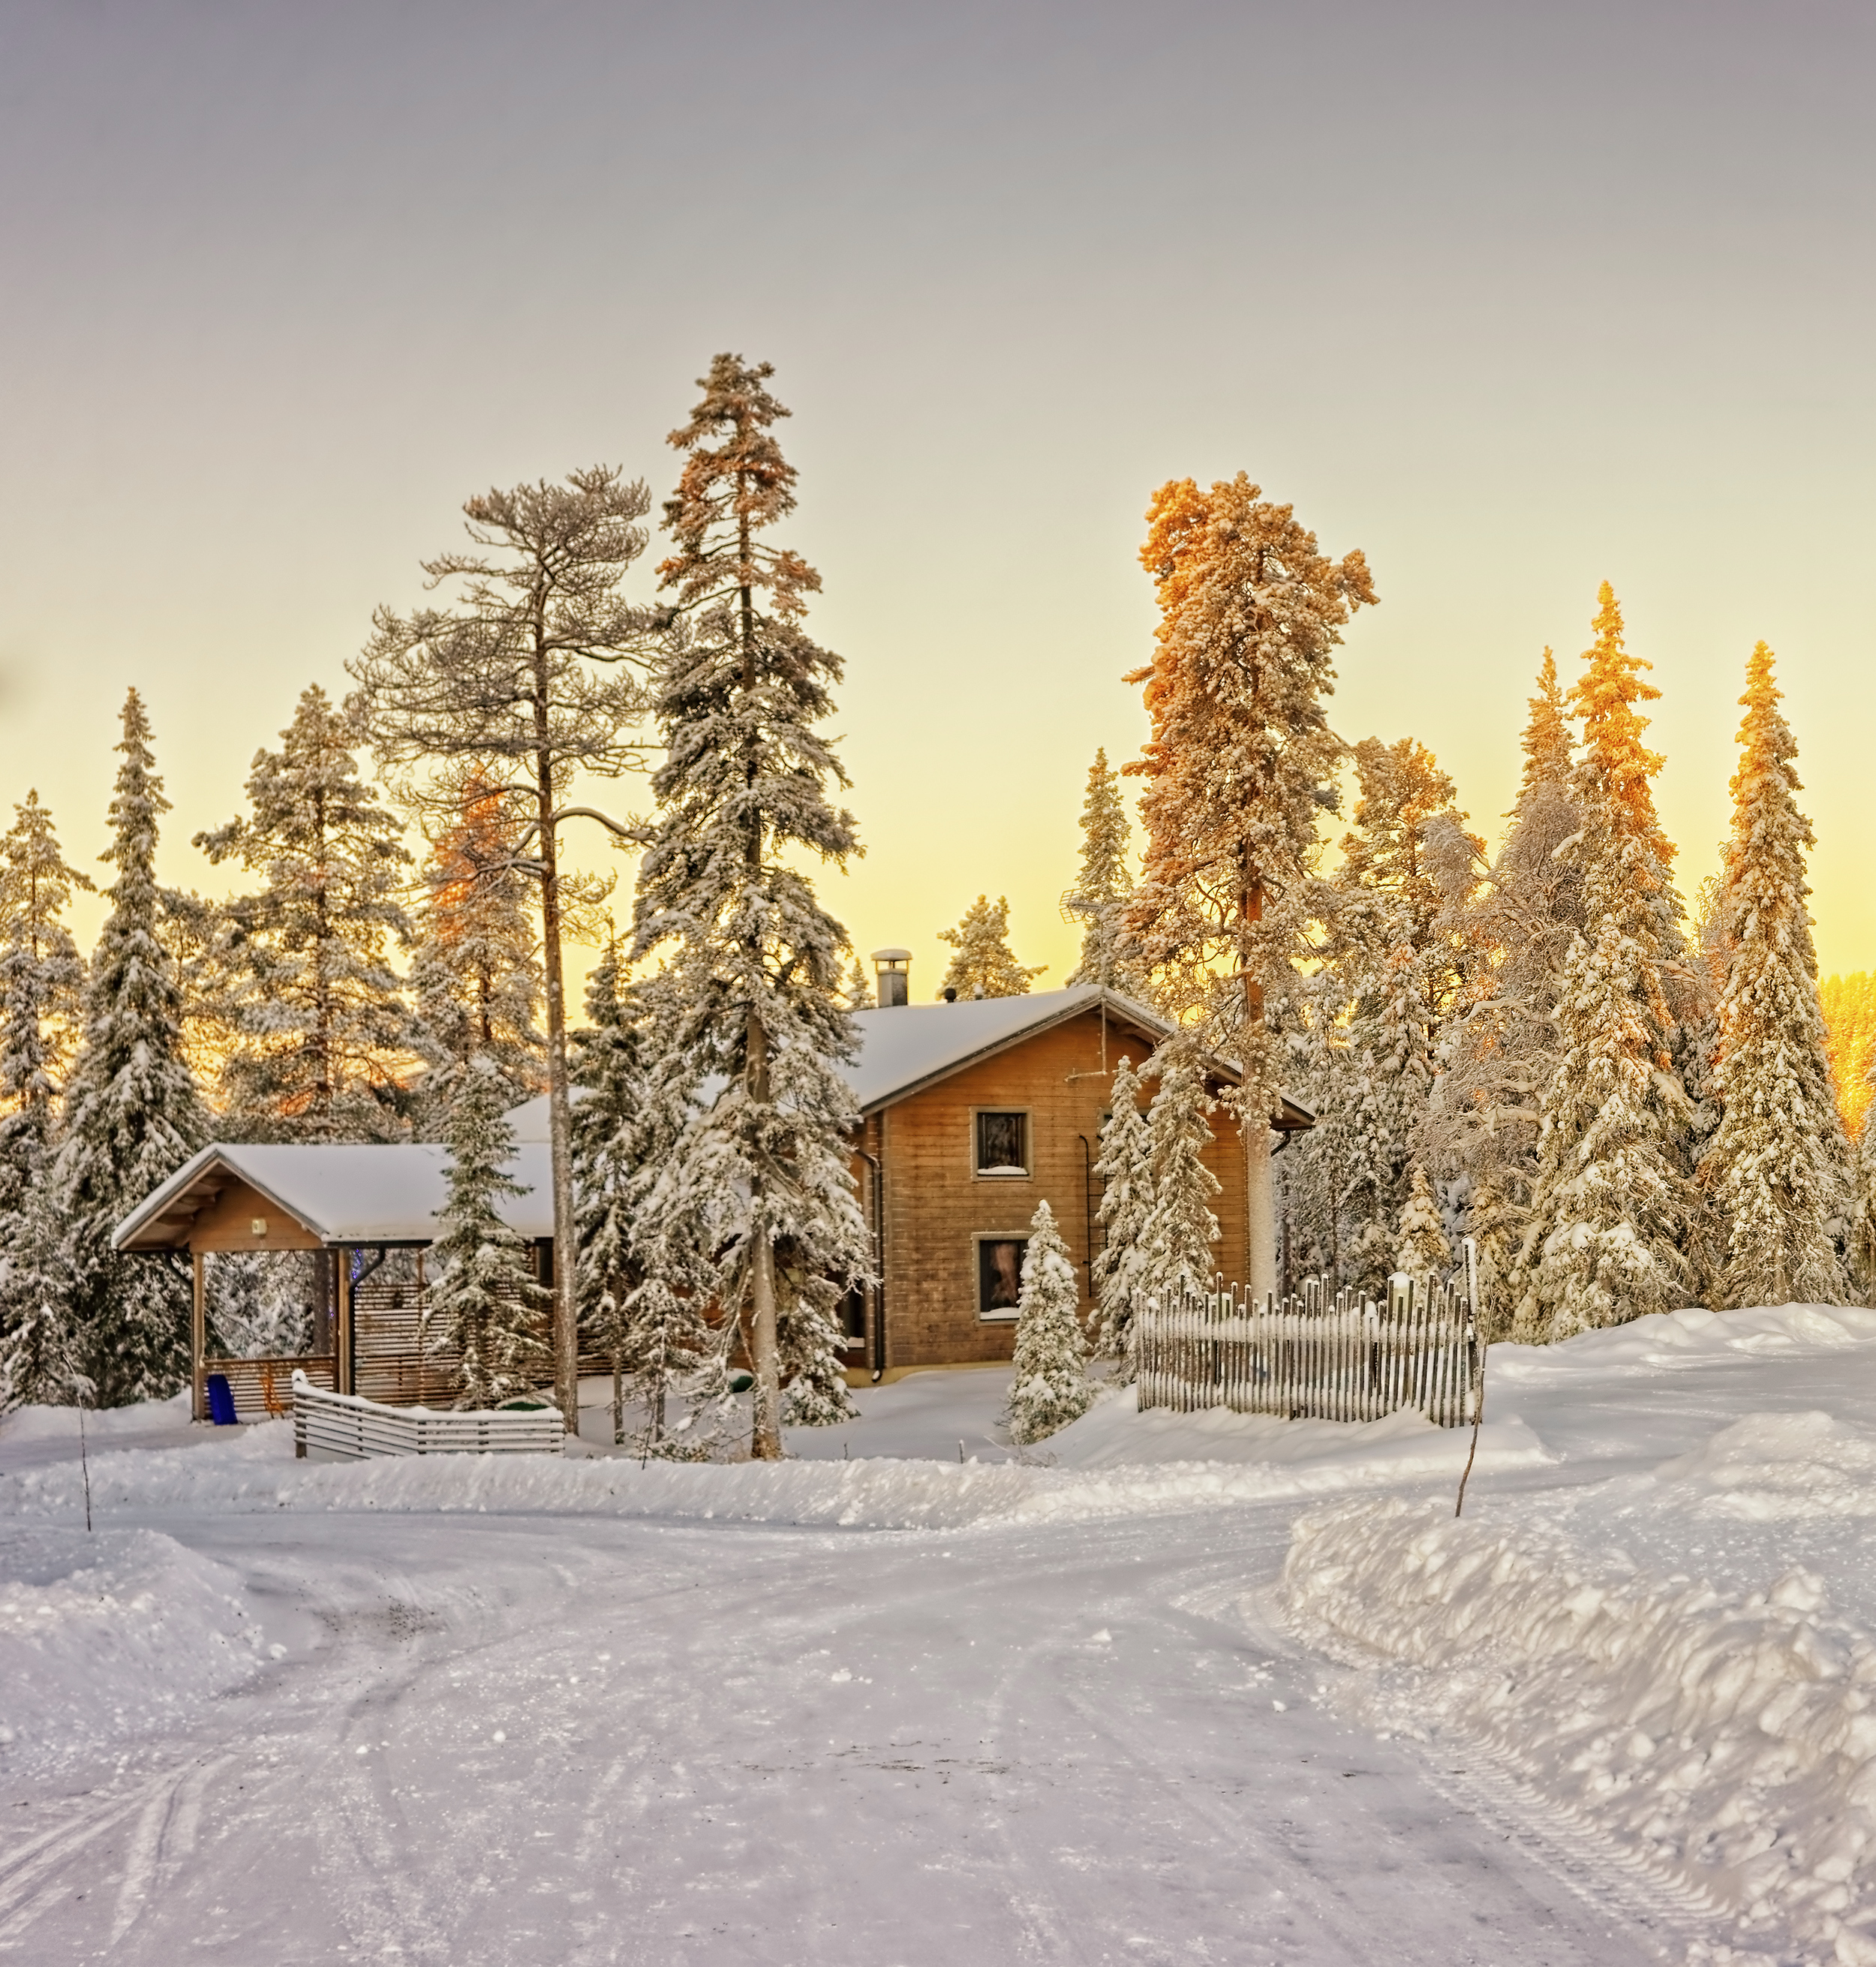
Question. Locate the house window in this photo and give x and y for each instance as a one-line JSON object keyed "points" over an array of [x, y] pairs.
{"points": [[1002, 1144], [999, 1276]]}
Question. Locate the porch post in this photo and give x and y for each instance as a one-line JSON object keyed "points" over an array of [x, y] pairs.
{"points": [[198, 1340], [342, 1373]]}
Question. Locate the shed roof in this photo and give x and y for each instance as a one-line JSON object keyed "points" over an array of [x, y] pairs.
{"points": [[339, 1193]]}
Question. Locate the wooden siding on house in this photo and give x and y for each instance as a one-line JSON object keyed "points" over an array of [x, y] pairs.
{"points": [[937, 1205]]}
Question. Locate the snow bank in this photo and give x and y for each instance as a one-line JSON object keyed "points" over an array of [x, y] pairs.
{"points": [[1728, 1744], [124, 1633], [1692, 1336], [255, 1472], [36, 1423], [1777, 1468]]}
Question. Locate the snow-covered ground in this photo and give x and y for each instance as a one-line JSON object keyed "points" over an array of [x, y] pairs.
{"points": [[1171, 1689]]}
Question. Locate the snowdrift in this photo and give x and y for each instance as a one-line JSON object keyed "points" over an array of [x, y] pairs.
{"points": [[1727, 1743], [255, 1472], [121, 1633]]}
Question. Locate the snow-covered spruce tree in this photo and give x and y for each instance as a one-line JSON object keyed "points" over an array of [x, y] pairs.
{"points": [[1612, 1214], [132, 1113], [1779, 1166], [1239, 766], [645, 1276], [323, 1033], [1513, 918], [526, 674], [1125, 1172], [985, 965], [1103, 887], [485, 1300], [1177, 1239], [757, 965], [41, 978], [1420, 1246], [1049, 1375], [474, 974]]}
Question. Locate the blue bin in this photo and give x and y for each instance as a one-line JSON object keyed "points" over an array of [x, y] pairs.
{"points": [[221, 1401]]}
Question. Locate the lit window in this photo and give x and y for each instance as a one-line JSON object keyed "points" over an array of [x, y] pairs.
{"points": [[999, 1275], [1002, 1144]]}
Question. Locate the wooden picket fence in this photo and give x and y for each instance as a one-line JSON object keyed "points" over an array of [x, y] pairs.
{"points": [[342, 1427], [1322, 1354]]}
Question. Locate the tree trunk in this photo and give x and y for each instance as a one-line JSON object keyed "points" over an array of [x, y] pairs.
{"points": [[1259, 1175], [560, 1104], [765, 1441]]}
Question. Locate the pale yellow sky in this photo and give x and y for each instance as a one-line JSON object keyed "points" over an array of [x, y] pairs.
{"points": [[1516, 301]]}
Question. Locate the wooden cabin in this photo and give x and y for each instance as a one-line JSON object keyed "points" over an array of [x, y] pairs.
{"points": [[971, 1114]]}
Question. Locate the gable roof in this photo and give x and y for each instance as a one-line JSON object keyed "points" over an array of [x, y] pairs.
{"points": [[909, 1047], [340, 1193]]}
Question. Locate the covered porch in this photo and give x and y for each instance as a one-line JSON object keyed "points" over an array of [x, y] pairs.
{"points": [[312, 1257]]}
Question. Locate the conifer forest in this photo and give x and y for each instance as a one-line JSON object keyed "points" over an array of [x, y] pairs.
{"points": [[1630, 1097]]}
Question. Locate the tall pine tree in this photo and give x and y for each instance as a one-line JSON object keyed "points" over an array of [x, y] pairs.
{"points": [[985, 965], [475, 976], [1239, 767], [324, 1034], [1103, 887], [1612, 1214], [41, 978], [758, 964], [1124, 1173], [132, 1113], [1778, 1169]]}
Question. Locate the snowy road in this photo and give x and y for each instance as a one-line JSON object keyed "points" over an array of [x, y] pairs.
{"points": [[507, 1739]]}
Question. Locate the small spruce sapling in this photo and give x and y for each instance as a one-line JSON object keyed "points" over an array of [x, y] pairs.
{"points": [[1049, 1386], [1177, 1237], [487, 1303]]}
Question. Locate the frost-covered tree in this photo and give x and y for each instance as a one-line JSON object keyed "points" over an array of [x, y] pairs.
{"points": [[1778, 1169], [1421, 1248], [645, 1274], [474, 975], [757, 965], [1049, 1375], [41, 979], [485, 1300], [323, 1037], [132, 1113], [528, 674], [1125, 1172], [1177, 1239], [1239, 766], [985, 965], [1103, 887], [1513, 918], [1612, 1214]]}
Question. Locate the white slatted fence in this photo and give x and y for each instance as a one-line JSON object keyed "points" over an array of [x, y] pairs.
{"points": [[342, 1427], [1322, 1354]]}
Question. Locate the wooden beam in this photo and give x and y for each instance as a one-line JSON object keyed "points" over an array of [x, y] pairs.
{"points": [[342, 1333], [197, 1339]]}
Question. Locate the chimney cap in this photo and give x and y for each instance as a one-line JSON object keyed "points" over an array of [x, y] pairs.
{"points": [[892, 956]]}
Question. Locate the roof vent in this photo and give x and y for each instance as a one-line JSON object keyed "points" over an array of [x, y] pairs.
{"points": [[893, 968]]}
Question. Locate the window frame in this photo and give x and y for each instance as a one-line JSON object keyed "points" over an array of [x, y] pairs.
{"points": [[978, 1239], [978, 1171]]}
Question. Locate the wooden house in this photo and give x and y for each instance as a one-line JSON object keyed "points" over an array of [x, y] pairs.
{"points": [[971, 1114]]}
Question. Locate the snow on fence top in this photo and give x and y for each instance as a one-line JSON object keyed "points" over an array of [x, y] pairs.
{"points": [[341, 1427], [1322, 1354]]}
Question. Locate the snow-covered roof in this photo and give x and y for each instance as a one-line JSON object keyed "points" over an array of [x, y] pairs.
{"points": [[905, 1048], [339, 1193]]}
